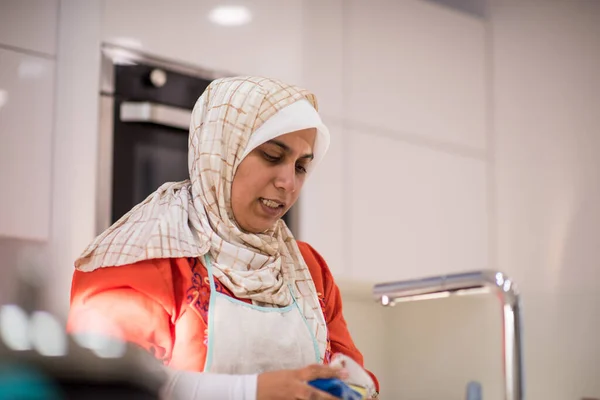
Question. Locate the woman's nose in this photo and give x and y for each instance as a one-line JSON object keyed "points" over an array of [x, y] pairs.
{"points": [[286, 178]]}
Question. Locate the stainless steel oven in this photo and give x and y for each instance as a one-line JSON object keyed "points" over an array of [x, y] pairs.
{"points": [[146, 105]]}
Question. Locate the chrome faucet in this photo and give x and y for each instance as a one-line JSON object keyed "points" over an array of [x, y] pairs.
{"points": [[476, 282]]}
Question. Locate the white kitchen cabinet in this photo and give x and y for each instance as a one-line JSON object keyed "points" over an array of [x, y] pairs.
{"points": [[402, 193], [323, 54], [413, 211], [29, 24], [26, 119], [270, 44], [416, 70], [322, 203]]}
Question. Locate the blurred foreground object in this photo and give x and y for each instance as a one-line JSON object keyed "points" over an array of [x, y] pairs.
{"points": [[38, 360]]}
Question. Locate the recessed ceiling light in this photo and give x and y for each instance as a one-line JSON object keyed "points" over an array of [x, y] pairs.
{"points": [[230, 15]]}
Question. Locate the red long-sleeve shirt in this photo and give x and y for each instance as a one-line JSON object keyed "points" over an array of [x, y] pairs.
{"points": [[162, 305]]}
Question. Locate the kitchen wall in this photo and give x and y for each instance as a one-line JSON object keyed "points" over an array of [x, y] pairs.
{"points": [[546, 97], [458, 143]]}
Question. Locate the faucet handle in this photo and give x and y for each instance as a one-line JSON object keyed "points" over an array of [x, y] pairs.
{"points": [[474, 391]]}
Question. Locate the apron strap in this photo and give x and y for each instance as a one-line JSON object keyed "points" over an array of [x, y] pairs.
{"points": [[208, 266], [209, 314]]}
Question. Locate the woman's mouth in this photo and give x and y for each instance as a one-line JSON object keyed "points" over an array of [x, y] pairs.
{"points": [[272, 207], [271, 203]]}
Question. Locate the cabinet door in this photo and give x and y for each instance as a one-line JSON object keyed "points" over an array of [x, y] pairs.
{"points": [[29, 24], [415, 211], [26, 101], [418, 71]]}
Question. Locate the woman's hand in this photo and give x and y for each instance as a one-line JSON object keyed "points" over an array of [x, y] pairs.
{"points": [[293, 384]]}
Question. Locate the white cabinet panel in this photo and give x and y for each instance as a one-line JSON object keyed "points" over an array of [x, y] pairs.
{"points": [[415, 68], [269, 45], [414, 211], [29, 24], [26, 106], [322, 205], [323, 54]]}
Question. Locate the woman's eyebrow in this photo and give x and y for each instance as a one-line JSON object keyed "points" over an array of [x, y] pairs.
{"points": [[288, 150]]}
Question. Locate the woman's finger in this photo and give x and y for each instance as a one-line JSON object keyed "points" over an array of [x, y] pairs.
{"points": [[317, 371]]}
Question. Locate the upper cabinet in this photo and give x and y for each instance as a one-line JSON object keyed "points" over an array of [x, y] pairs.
{"points": [[29, 25], [413, 211], [26, 119], [402, 86], [323, 70], [416, 70], [28, 37]]}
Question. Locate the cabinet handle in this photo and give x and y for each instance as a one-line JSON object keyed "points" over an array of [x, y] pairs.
{"points": [[156, 113]]}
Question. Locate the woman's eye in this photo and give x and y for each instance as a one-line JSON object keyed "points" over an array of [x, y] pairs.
{"points": [[270, 157], [301, 169]]}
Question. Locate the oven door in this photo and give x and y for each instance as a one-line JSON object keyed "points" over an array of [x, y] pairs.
{"points": [[144, 145], [150, 148]]}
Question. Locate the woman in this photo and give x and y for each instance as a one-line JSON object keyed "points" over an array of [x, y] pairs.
{"points": [[206, 276]]}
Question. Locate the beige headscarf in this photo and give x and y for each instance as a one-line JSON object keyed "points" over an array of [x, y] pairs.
{"points": [[194, 217]]}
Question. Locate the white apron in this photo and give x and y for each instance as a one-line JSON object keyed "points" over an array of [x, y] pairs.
{"points": [[248, 339]]}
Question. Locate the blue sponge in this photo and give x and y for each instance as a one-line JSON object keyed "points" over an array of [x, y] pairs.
{"points": [[336, 388]]}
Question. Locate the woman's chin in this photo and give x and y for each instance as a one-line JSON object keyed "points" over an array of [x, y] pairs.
{"points": [[260, 225], [267, 227]]}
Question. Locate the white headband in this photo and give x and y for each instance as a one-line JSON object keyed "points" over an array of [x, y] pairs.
{"points": [[297, 116]]}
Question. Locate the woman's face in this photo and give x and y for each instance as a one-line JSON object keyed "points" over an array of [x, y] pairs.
{"points": [[268, 181]]}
